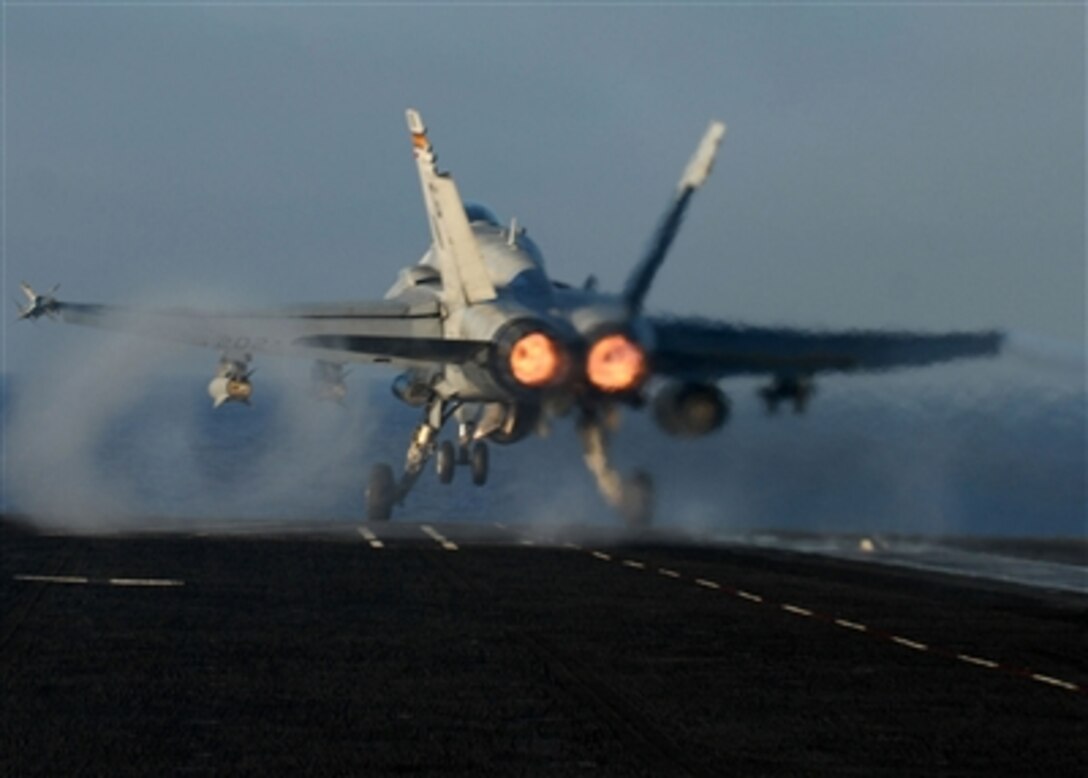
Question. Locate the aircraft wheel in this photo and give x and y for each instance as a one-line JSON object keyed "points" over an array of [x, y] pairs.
{"points": [[478, 461], [637, 503], [381, 493], [445, 460]]}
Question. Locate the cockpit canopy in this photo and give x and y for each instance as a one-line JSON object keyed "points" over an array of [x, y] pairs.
{"points": [[477, 212], [481, 213]]}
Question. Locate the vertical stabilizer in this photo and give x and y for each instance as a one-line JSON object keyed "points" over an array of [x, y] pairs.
{"points": [[464, 277], [694, 176]]}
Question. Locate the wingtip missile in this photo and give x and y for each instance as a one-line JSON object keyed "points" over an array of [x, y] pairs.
{"points": [[38, 304], [702, 161]]}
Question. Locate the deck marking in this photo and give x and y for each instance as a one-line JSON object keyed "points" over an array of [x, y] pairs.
{"points": [[974, 660], [144, 582], [80, 579], [861, 628], [371, 538], [1054, 682], [58, 579], [438, 538], [572, 546], [796, 610], [909, 643], [527, 542]]}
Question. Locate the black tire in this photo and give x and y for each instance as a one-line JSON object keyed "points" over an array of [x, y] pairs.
{"points": [[479, 462], [637, 503], [381, 493], [445, 461]]}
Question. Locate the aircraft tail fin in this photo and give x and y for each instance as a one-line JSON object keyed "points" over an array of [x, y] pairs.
{"points": [[695, 175], [464, 277]]}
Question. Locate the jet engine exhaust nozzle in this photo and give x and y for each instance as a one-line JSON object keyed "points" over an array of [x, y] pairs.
{"points": [[537, 360], [530, 356], [616, 364]]}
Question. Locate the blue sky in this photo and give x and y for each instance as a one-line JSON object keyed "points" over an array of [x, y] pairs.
{"points": [[907, 166]]}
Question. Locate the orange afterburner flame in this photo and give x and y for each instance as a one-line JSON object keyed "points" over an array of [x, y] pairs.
{"points": [[616, 364], [536, 360]]}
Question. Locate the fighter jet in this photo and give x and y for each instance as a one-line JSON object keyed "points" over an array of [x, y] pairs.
{"points": [[479, 332]]}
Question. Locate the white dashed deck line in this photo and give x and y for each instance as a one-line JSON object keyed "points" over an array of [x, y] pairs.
{"points": [[150, 582], [572, 546], [854, 626], [796, 610], [527, 542], [438, 538], [147, 583], [371, 538], [975, 660], [909, 643], [57, 579], [1055, 682]]}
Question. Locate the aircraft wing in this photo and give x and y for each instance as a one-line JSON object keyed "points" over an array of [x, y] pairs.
{"points": [[704, 350], [383, 331]]}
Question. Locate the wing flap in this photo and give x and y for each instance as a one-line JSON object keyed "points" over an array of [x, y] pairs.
{"points": [[386, 331], [698, 349]]}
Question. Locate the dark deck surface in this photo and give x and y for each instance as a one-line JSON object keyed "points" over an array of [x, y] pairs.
{"points": [[462, 649]]}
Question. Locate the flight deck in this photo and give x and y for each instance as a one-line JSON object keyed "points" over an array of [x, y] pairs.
{"points": [[503, 648]]}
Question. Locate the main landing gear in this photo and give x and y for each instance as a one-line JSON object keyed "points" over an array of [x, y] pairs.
{"points": [[383, 491], [466, 452], [633, 497]]}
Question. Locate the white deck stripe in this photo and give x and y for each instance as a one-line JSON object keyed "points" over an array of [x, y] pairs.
{"points": [[707, 584], [80, 579], [438, 538], [145, 582], [632, 563], [1055, 682], [796, 610], [60, 579], [371, 538], [910, 643], [974, 660]]}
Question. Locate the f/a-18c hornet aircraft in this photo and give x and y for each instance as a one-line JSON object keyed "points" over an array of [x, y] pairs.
{"points": [[481, 333]]}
